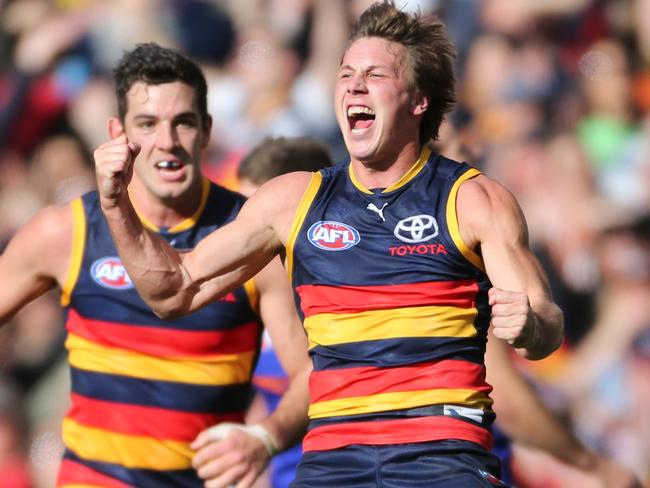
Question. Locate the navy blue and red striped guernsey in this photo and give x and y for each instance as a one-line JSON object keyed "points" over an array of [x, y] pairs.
{"points": [[395, 307], [143, 388]]}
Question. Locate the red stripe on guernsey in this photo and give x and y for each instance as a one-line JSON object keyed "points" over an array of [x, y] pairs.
{"points": [[72, 473], [384, 432], [357, 382], [158, 423], [163, 342], [315, 299]]}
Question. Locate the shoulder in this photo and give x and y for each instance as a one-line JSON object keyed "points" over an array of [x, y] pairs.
{"points": [[51, 223], [45, 240], [277, 200], [284, 190], [484, 207], [484, 190]]}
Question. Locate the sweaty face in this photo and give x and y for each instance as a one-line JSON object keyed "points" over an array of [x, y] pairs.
{"points": [[375, 106], [164, 119]]}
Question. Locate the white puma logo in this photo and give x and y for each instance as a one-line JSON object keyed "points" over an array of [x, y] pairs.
{"points": [[377, 210]]}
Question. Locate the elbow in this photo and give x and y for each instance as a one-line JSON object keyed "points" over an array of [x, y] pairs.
{"points": [[171, 307], [166, 313]]}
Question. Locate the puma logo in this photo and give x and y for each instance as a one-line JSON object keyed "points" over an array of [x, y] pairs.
{"points": [[377, 210]]}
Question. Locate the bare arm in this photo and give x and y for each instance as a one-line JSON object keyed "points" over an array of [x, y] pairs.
{"points": [[521, 413], [523, 313], [278, 310], [524, 417], [174, 283], [236, 456], [35, 260]]}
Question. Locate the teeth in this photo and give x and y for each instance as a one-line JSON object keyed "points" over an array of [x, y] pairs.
{"points": [[168, 165], [359, 109]]}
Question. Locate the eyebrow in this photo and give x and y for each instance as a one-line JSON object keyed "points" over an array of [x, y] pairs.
{"points": [[177, 116], [369, 68]]}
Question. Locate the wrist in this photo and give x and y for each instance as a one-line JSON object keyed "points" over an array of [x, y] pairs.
{"points": [[536, 335], [258, 431], [264, 435]]}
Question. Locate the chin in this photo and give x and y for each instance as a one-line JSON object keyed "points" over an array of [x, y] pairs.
{"points": [[362, 151]]}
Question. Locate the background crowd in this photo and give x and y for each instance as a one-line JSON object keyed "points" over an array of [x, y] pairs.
{"points": [[554, 102]]}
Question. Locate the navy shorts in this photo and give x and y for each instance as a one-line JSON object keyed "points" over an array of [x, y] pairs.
{"points": [[444, 464]]}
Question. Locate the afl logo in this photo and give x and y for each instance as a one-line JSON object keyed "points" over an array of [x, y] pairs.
{"points": [[419, 228], [110, 273], [333, 236]]}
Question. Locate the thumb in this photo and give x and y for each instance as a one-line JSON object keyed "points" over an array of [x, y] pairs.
{"points": [[201, 440], [134, 148]]}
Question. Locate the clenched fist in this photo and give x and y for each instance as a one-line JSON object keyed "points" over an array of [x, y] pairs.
{"points": [[114, 167], [512, 318]]}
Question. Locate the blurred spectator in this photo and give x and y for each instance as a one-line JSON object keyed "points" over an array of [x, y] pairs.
{"points": [[554, 102]]}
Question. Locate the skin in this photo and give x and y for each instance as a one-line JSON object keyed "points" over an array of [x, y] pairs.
{"points": [[163, 123], [524, 417], [373, 74]]}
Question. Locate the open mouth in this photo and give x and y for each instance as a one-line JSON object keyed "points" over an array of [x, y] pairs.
{"points": [[360, 117], [171, 165]]}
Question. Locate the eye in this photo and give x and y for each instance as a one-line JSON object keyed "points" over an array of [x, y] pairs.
{"points": [[188, 122], [145, 124]]}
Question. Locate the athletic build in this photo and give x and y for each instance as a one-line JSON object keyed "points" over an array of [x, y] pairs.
{"points": [[394, 86]]}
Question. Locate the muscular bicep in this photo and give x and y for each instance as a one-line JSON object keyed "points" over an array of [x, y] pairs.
{"points": [[239, 250], [35, 260], [492, 221]]}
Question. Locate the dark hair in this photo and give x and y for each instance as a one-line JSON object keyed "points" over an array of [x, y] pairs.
{"points": [[430, 56], [154, 65], [277, 156]]}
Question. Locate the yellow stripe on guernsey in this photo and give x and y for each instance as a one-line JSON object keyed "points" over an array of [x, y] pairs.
{"points": [[127, 450], [384, 402], [329, 329], [76, 255], [253, 295], [216, 370], [408, 176], [187, 223], [299, 218], [452, 221]]}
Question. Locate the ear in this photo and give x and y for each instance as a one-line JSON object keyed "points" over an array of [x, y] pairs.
{"points": [[421, 106], [207, 131], [115, 128]]}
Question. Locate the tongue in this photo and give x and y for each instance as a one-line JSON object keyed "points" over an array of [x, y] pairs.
{"points": [[362, 123]]}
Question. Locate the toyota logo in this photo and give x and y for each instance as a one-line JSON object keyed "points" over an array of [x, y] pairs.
{"points": [[419, 228]]}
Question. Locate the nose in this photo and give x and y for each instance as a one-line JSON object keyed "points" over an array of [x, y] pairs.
{"points": [[357, 83], [166, 137]]}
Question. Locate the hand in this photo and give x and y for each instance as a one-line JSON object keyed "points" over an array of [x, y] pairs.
{"points": [[229, 457], [512, 318], [114, 168]]}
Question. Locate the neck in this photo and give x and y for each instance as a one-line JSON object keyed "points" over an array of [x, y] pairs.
{"points": [[384, 173], [164, 212]]}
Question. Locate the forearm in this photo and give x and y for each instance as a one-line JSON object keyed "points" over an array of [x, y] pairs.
{"points": [[154, 267], [288, 423], [531, 423]]}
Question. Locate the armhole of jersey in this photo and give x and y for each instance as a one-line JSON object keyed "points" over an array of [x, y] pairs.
{"points": [[299, 218], [253, 295], [452, 221], [76, 255]]}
